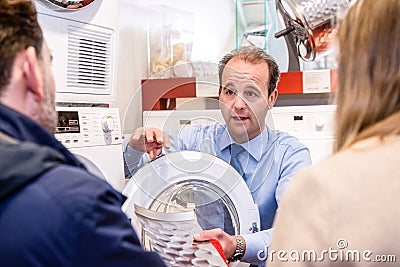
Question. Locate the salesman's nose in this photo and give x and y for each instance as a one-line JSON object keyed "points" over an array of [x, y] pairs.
{"points": [[240, 102]]}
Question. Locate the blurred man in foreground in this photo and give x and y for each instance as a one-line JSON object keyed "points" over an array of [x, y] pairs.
{"points": [[53, 212]]}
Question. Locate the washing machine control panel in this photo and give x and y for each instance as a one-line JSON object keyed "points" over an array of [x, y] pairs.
{"points": [[88, 126]]}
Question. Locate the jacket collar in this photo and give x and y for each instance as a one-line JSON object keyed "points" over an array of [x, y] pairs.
{"points": [[22, 128]]}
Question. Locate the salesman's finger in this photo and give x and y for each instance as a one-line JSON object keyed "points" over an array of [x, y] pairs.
{"points": [[166, 141]]}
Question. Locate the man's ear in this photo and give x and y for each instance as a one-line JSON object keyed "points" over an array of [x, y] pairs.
{"points": [[32, 73], [272, 98]]}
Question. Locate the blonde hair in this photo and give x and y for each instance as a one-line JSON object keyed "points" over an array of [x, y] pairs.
{"points": [[368, 97]]}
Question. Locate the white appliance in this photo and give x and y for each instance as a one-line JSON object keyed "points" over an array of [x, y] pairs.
{"points": [[171, 182], [312, 125], [186, 180], [82, 42], [94, 136]]}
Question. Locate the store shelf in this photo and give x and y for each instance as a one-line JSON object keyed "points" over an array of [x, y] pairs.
{"points": [[254, 12], [252, 23], [161, 94]]}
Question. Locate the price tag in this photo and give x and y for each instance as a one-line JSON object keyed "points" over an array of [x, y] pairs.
{"points": [[316, 81]]}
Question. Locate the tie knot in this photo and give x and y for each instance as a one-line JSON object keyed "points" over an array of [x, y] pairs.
{"points": [[236, 150]]}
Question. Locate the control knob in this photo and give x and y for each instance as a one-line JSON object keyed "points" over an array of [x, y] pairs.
{"points": [[107, 124]]}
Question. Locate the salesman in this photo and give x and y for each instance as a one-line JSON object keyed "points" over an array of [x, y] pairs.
{"points": [[266, 159]]}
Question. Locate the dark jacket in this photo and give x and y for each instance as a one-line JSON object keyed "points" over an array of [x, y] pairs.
{"points": [[52, 211]]}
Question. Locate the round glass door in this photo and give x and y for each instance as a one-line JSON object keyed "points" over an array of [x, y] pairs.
{"points": [[213, 208], [65, 5], [184, 181]]}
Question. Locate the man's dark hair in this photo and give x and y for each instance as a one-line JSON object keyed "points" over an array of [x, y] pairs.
{"points": [[252, 55], [19, 29]]}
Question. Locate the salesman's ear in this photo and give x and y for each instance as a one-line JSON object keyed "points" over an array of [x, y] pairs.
{"points": [[32, 73], [272, 98]]}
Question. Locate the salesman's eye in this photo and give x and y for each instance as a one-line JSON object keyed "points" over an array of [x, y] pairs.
{"points": [[229, 92]]}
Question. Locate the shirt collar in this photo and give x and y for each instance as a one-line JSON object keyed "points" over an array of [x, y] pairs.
{"points": [[254, 147]]}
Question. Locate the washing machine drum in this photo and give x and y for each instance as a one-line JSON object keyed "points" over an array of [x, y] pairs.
{"points": [[187, 180]]}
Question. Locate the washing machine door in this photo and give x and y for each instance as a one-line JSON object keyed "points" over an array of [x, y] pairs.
{"points": [[187, 180], [90, 166]]}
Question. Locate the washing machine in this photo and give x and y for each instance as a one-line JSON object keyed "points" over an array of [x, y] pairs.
{"points": [[83, 43], [93, 135], [313, 125], [191, 180]]}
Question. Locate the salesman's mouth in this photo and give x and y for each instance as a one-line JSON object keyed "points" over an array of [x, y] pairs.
{"points": [[240, 118]]}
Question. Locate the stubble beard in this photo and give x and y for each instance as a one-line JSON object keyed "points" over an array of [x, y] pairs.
{"points": [[48, 114]]}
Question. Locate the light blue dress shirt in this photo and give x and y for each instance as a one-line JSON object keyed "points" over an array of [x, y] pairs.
{"points": [[273, 158]]}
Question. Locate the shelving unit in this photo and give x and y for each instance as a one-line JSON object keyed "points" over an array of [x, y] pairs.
{"points": [[253, 22], [252, 18], [161, 94]]}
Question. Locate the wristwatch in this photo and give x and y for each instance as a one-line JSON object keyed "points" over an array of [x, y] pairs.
{"points": [[239, 251]]}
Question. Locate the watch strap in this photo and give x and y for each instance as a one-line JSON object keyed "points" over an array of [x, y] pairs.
{"points": [[239, 251]]}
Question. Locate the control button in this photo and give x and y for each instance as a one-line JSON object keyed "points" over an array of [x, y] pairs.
{"points": [[107, 123], [319, 124]]}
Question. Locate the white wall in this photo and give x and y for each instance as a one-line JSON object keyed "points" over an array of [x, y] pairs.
{"points": [[214, 36]]}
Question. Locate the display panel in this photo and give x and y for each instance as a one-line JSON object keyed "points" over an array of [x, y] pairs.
{"points": [[67, 122]]}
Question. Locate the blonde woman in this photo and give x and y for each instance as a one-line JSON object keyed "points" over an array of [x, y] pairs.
{"points": [[345, 210]]}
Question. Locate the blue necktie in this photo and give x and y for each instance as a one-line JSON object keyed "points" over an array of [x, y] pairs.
{"points": [[235, 151]]}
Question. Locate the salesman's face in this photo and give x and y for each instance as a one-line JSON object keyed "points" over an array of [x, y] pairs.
{"points": [[244, 99], [48, 115]]}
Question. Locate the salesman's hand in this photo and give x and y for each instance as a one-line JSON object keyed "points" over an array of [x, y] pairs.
{"points": [[150, 140], [228, 242]]}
